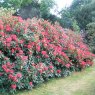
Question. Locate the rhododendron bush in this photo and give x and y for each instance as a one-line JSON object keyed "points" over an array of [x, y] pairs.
{"points": [[33, 51]]}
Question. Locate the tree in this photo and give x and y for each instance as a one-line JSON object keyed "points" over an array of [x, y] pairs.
{"points": [[90, 36], [82, 11], [45, 7], [68, 21], [15, 3], [26, 7]]}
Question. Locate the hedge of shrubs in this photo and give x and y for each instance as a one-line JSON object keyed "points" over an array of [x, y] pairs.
{"points": [[33, 51]]}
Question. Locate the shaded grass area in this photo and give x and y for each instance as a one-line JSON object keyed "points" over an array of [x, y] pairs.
{"points": [[79, 83]]}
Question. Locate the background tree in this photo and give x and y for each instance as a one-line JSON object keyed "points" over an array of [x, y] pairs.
{"points": [[45, 7], [15, 3], [82, 11], [68, 21]]}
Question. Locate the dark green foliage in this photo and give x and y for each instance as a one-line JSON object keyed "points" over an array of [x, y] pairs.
{"points": [[15, 3], [83, 11], [45, 7], [90, 36], [68, 21]]}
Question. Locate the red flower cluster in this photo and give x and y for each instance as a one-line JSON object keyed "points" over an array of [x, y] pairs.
{"points": [[8, 28], [13, 86], [8, 68], [58, 71], [30, 83]]}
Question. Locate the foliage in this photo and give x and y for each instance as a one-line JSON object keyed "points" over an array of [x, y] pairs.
{"points": [[45, 7], [6, 12], [14, 3], [90, 36], [75, 26], [33, 51], [83, 11], [85, 81], [67, 21]]}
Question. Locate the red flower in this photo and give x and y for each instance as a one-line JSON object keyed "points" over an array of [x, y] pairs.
{"points": [[1, 27], [8, 40], [20, 52], [10, 76], [15, 79], [45, 68], [58, 71], [14, 37], [13, 86], [29, 46], [2, 34], [45, 45], [44, 52], [83, 63], [38, 56], [4, 67], [59, 60], [19, 75], [24, 57], [30, 83], [46, 56], [8, 28], [38, 48], [8, 64], [21, 41], [12, 50], [51, 67], [6, 58], [68, 65], [20, 19], [11, 71]]}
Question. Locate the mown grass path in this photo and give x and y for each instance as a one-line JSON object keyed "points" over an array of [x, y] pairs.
{"points": [[79, 83]]}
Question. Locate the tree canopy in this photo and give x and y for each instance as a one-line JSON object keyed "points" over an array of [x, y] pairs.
{"points": [[15, 3], [83, 11]]}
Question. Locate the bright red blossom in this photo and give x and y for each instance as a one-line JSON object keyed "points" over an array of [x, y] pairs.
{"points": [[8, 28], [44, 52], [8, 40], [30, 83], [38, 48], [19, 75], [1, 27], [51, 67], [13, 86], [29, 46], [14, 37], [68, 65], [58, 71]]}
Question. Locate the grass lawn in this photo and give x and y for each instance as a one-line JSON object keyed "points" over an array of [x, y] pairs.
{"points": [[80, 83]]}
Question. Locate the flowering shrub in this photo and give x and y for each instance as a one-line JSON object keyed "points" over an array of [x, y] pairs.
{"points": [[33, 51]]}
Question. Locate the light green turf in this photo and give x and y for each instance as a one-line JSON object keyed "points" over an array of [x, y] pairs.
{"points": [[80, 83]]}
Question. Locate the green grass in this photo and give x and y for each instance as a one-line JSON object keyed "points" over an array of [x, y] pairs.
{"points": [[80, 83]]}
